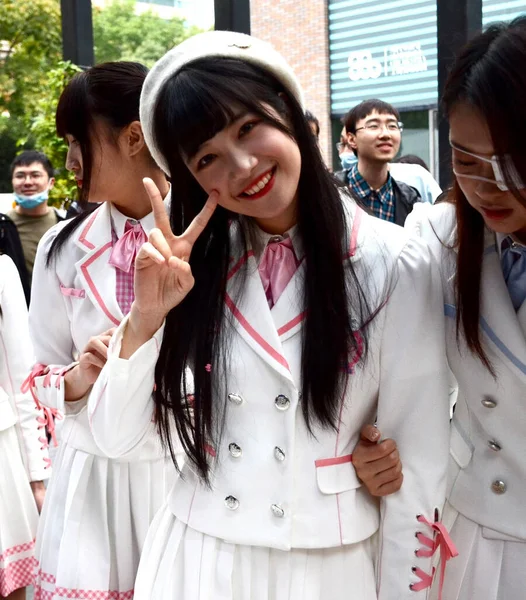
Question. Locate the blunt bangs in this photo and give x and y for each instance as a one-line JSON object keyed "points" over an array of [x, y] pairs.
{"points": [[204, 97], [74, 110]]}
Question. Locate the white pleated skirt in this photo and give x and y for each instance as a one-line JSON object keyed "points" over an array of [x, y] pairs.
{"points": [[486, 568], [18, 517], [94, 523], [179, 563]]}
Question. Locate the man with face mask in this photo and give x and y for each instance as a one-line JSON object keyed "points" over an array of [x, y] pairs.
{"points": [[32, 179]]}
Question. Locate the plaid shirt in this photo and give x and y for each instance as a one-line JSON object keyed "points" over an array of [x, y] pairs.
{"points": [[381, 202]]}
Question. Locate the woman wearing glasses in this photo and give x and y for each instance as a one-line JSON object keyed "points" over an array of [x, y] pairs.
{"points": [[479, 238]]}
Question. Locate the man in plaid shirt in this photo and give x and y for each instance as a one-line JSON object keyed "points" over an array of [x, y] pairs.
{"points": [[374, 134]]}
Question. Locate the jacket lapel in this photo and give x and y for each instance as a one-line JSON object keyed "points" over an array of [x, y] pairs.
{"points": [[94, 238], [499, 321], [288, 313], [251, 314]]}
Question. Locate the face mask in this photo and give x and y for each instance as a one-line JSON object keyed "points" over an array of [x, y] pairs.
{"points": [[29, 202], [348, 159], [495, 161]]}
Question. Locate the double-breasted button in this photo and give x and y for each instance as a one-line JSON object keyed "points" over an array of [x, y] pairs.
{"points": [[494, 446], [498, 486], [235, 450], [282, 402], [277, 511], [279, 454], [235, 399], [488, 402], [232, 502]]}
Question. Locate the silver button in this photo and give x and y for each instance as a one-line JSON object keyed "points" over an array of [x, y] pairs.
{"points": [[277, 511], [279, 454], [282, 402], [235, 450], [275, 239], [498, 486], [235, 399], [494, 446], [232, 503], [488, 402]]}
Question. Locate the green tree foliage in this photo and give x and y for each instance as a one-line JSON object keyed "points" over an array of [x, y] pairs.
{"points": [[31, 44], [43, 136], [120, 33], [32, 75]]}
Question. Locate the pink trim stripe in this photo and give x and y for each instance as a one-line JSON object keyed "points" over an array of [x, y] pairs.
{"points": [[26, 547], [210, 450], [355, 230], [82, 237], [292, 323], [337, 460], [76, 293], [239, 264], [84, 269], [254, 334], [16, 575]]}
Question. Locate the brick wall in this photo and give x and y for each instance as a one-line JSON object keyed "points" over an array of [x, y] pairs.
{"points": [[298, 29]]}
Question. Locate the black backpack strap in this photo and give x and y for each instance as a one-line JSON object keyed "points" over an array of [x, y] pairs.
{"points": [[11, 245]]}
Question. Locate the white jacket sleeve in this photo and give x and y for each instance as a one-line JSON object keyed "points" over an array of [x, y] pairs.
{"points": [[120, 405], [413, 410], [17, 361], [50, 330]]}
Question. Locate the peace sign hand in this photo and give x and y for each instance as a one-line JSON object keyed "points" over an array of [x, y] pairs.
{"points": [[163, 276]]}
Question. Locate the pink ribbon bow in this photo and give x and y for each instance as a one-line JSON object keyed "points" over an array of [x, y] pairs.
{"points": [[127, 247], [442, 542], [278, 265]]}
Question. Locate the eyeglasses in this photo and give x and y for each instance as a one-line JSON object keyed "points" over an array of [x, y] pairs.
{"points": [[375, 127], [496, 162], [23, 176]]}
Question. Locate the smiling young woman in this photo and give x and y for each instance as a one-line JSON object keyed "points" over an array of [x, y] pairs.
{"points": [[98, 510], [284, 300], [479, 239]]}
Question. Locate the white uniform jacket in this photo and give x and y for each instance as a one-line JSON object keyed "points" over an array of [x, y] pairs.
{"points": [[74, 299], [274, 485], [487, 474], [16, 356]]}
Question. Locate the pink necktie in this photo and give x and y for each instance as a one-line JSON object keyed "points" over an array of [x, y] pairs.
{"points": [[278, 265], [126, 248]]}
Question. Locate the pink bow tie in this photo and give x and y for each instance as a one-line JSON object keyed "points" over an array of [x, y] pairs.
{"points": [[126, 248], [278, 265]]}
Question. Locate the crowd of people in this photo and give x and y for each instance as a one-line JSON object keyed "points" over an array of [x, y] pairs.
{"points": [[264, 380]]}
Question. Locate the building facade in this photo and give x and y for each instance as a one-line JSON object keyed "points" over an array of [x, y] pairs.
{"points": [[299, 31], [346, 51]]}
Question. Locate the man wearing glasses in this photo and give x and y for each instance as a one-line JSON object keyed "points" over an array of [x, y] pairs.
{"points": [[32, 178], [374, 134]]}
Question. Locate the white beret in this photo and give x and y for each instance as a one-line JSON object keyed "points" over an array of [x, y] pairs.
{"points": [[227, 44]]}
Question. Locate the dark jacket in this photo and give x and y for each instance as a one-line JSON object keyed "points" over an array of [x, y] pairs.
{"points": [[405, 197], [11, 245]]}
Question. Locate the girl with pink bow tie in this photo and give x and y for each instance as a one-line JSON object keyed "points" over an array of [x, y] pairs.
{"points": [[98, 509], [301, 318]]}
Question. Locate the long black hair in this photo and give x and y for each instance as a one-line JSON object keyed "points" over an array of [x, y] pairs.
{"points": [[194, 105], [109, 92], [488, 75]]}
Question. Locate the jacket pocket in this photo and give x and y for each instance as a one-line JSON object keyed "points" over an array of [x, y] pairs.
{"points": [[492, 534], [335, 475], [460, 447], [72, 292], [7, 415]]}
